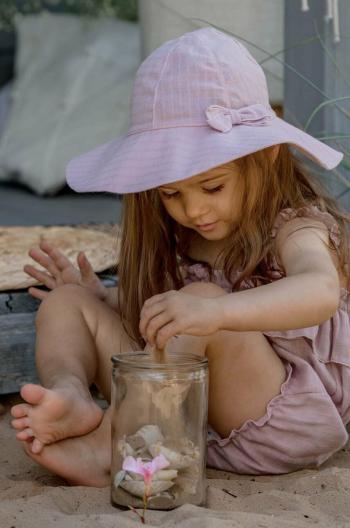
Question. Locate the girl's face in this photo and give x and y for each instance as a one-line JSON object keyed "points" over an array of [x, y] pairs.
{"points": [[207, 203]]}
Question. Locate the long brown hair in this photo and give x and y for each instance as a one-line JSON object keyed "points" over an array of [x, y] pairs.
{"points": [[152, 243]]}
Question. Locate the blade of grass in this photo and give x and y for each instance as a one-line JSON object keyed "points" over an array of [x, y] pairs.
{"points": [[336, 136], [321, 105], [330, 55]]}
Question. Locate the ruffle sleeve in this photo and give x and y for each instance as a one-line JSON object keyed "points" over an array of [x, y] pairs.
{"points": [[312, 212], [273, 269]]}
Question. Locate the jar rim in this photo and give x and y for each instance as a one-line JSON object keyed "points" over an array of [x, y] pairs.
{"points": [[183, 360]]}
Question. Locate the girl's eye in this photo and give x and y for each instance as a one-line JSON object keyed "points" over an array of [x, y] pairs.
{"points": [[176, 194], [170, 195], [214, 189]]}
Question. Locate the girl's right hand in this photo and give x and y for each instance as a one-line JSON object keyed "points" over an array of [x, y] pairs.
{"points": [[62, 271]]}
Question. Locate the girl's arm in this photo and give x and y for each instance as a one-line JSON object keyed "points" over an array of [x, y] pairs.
{"points": [[307, 296]]}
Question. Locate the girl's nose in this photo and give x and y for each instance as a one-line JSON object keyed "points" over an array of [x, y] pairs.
{"points": [[195, 207]]}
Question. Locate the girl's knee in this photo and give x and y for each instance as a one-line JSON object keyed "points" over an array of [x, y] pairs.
{"points": [[67, 296], [204, 289]]}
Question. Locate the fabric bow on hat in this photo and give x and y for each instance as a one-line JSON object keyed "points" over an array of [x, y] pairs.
{"points": [[222, 118]]}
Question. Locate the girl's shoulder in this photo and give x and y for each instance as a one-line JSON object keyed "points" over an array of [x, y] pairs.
{"points": [[289, 220], [307, 216]]}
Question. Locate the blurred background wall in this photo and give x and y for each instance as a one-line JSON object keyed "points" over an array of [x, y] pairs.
{"points": [[294, 40], [256, 22]]}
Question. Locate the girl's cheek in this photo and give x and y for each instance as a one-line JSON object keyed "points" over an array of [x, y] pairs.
{"points": [[176, 213], [168, 208]]}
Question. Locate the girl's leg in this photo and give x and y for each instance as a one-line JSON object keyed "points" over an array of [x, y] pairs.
{"points": [[245, 373], [76, 336], [82, 460]]}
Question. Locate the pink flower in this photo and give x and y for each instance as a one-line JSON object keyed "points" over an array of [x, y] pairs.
{"points": [[146, 469]]}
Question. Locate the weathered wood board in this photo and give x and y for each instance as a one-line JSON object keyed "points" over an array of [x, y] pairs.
{"points": [[17, 337]]}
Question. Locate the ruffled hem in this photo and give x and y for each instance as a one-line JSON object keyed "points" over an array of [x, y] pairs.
{"points": [[260, 422]]}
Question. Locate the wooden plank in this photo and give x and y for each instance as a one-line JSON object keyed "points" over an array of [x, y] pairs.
{"points": [[17, 344], [18, 302], [17, 337], [7, 53]]}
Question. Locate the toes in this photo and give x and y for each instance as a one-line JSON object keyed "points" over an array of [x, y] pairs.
{"points": [[21, 423], [21, 410], [32, 446], [37, 446], [33, 394], [25, 434], [27, 445]]}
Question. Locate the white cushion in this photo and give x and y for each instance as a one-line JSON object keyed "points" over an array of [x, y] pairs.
{"points": [[71, 92], [5, 104]]}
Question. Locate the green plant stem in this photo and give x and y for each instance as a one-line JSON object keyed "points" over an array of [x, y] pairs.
{"points": [[321, 105], [145, 501], [330, 55], [336, 136], [142, 517]]}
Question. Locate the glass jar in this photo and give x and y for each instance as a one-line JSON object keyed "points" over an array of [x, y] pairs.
{"points": [[159, 409]]}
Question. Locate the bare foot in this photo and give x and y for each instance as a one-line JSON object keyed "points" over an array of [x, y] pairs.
{"points": [[82, 461], [54, 414]]}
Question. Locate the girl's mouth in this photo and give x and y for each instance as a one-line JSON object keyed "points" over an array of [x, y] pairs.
{"points": [[206, 227]]}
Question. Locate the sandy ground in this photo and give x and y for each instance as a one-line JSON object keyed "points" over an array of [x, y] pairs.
{"points": [[32, 497]]}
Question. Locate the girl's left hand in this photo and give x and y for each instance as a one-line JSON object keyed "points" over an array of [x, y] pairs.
{"points": [[176, 312]]}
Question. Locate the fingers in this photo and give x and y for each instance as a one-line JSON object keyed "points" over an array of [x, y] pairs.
{"points": [[157, 298], [154, 327], [161, 319], [84, 265], [38, 294], [45, 262], [165, 333], [157, 325], [54, 261], [40, 276], [147, 313], [60, 261]]}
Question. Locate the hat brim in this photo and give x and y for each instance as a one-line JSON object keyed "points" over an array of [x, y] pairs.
{"points": [[144, 160]]}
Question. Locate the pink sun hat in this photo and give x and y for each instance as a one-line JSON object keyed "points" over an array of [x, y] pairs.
{"points": [[198, 101]]}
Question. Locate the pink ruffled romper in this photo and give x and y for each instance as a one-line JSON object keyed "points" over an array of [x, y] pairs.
{"points": [[305, 424]]}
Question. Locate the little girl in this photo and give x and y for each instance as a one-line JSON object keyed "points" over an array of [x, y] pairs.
{"points": [[228, 244]]}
